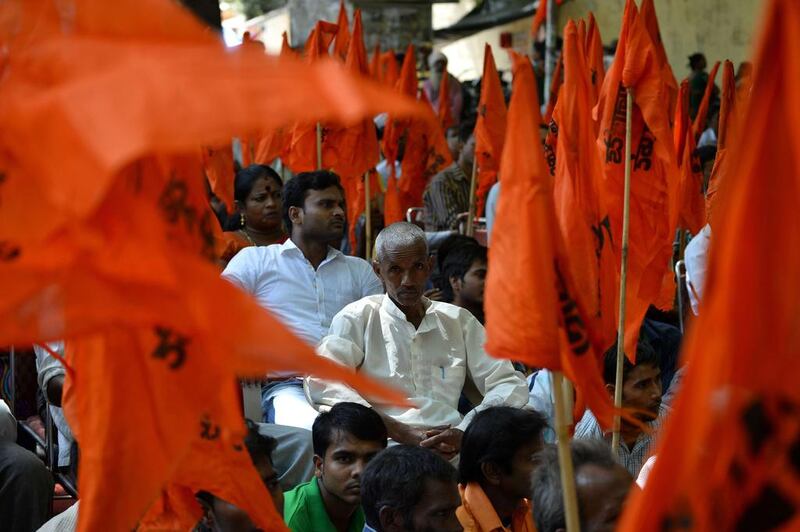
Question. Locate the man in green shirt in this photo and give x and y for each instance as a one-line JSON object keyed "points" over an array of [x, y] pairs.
{"points": [[345, 438]]}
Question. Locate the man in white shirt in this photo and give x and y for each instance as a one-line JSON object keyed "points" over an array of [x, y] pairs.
{"points": [[424, 348], [304, 281]]}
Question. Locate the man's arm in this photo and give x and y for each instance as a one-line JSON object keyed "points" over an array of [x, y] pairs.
{"points": [[243, 269], [495, 379], [50, 372]]}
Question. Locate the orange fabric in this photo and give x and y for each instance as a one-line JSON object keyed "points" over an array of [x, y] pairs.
{"points": [[701, 119], [476, 513], [532, 314], [541, 16], [594, 54], [219, 170], [375, 63], [490, 128], [274, 143], [319, 40], [555, 85], [654, 203], [579, 203], [121, 266], [692, 214], [445, 114], [727, 459], [342, 41], [648, 14], [721, 162], [389, 71]]}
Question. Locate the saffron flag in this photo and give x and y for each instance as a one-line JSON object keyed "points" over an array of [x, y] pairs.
{"points": [[342, 41], [594, 54], [728, 455], [648, 14], [532, 310], [541, 16], [692, 215], [579, 202], [390, 73], [490, 128], [375, 63], [555, 85], [445, 113], [721, 167], [701, 119], [654, 175], [274, 143], [218, 167]]}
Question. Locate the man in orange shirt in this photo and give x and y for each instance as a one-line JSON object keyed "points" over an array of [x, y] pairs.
{"points": [[495, 470]]}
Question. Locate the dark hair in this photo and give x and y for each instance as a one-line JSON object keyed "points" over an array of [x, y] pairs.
{"points": [[645, 355], [546, 498], [296, 189], [695, 59], [493, 436], [352, 418], [706, 153], [396, 478], [247, 177], [457, 262]]}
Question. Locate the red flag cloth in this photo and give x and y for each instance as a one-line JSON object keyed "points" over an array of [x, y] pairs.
{"points": [[389, 71], [490, 128], [532, 311], [579, 203], [555, 85], [342, 41], [375, 63], [692, 215], [648, 14], [701, 119], [445, 114], [727, 457], [219, 170], [654, 175], [726, 116], [319, 40], [541, 16], [594, 54]]}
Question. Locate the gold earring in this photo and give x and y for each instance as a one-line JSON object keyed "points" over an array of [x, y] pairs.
{"points": [[241, 219]]}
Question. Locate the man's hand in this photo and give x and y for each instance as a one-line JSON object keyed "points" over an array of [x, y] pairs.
{"points": [[446, 442], [434, 294]]}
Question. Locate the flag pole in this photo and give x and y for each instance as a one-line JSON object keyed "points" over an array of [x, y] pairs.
{"points": [[565, 456], [367, 219], [472, 200], [319, 146], [623, 274]]}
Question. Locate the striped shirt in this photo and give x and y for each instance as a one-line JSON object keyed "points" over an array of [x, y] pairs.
{"points": [[445, 197], [632, 459]]}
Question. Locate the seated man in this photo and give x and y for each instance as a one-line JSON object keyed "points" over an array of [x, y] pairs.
{"points": [[464, 276], [447, 193], [346, 438], [409, 489], [600, 482], [641, 394], [423, 348], [495, 470]]}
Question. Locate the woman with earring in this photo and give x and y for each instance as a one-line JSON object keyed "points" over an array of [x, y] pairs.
{"points": [[258, 216]]}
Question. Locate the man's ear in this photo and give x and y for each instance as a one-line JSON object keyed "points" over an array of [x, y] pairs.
{"points": [[318, 466], [391, 520], [491, 473], [376, 267], [610, 388], [296, 215], [455, 284]]}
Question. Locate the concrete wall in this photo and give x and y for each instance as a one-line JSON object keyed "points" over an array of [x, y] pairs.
{"points": [[721, 29]]}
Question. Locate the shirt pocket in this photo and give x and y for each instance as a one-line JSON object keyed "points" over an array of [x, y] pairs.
{"points": [[447, 382]]}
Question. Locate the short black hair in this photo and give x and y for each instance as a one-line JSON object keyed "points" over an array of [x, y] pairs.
{"points": [[493, 436], [706, 153], [352, 418], [457, 263], [296, 189], [546, 497], [247, 177], [396, 478], [645, 356]]}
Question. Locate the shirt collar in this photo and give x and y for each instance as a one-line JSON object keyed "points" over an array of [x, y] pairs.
{"points": [[429, 321], [289, 246]]}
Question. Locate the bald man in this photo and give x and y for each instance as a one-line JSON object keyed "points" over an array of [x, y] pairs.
{"points": [[424, 348]]}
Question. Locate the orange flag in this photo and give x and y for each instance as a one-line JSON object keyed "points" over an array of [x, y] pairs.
{"points": [[389, 71], [594, 54], [648, 14], [342, 41], [692, 214], [555, 85], [319, 40], [490, 128], [579, 203], [726, 119], [375, 63], [541, 16], [701, 119], [445, 114], [654, 176], [727, 459], [219, 170], [533, 313], [275, 143]]}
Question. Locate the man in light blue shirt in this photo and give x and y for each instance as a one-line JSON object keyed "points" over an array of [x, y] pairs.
{"points": [[304, 282]]}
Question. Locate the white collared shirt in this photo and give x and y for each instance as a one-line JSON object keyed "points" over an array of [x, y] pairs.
{"points": [[284, 282], [428, 364]]}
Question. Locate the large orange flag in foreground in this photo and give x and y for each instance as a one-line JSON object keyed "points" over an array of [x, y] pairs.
{"points": [[701, 119], [654, 177], [728, 457], [692, 214], [532, 311], [114, 255], [722, 161], [490, 129], [579, 202]]}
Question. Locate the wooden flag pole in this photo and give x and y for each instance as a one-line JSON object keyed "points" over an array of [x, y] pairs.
{"points": [[319, 146], [473, 184], [367, 218], [565, 455], [623, 274]]}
